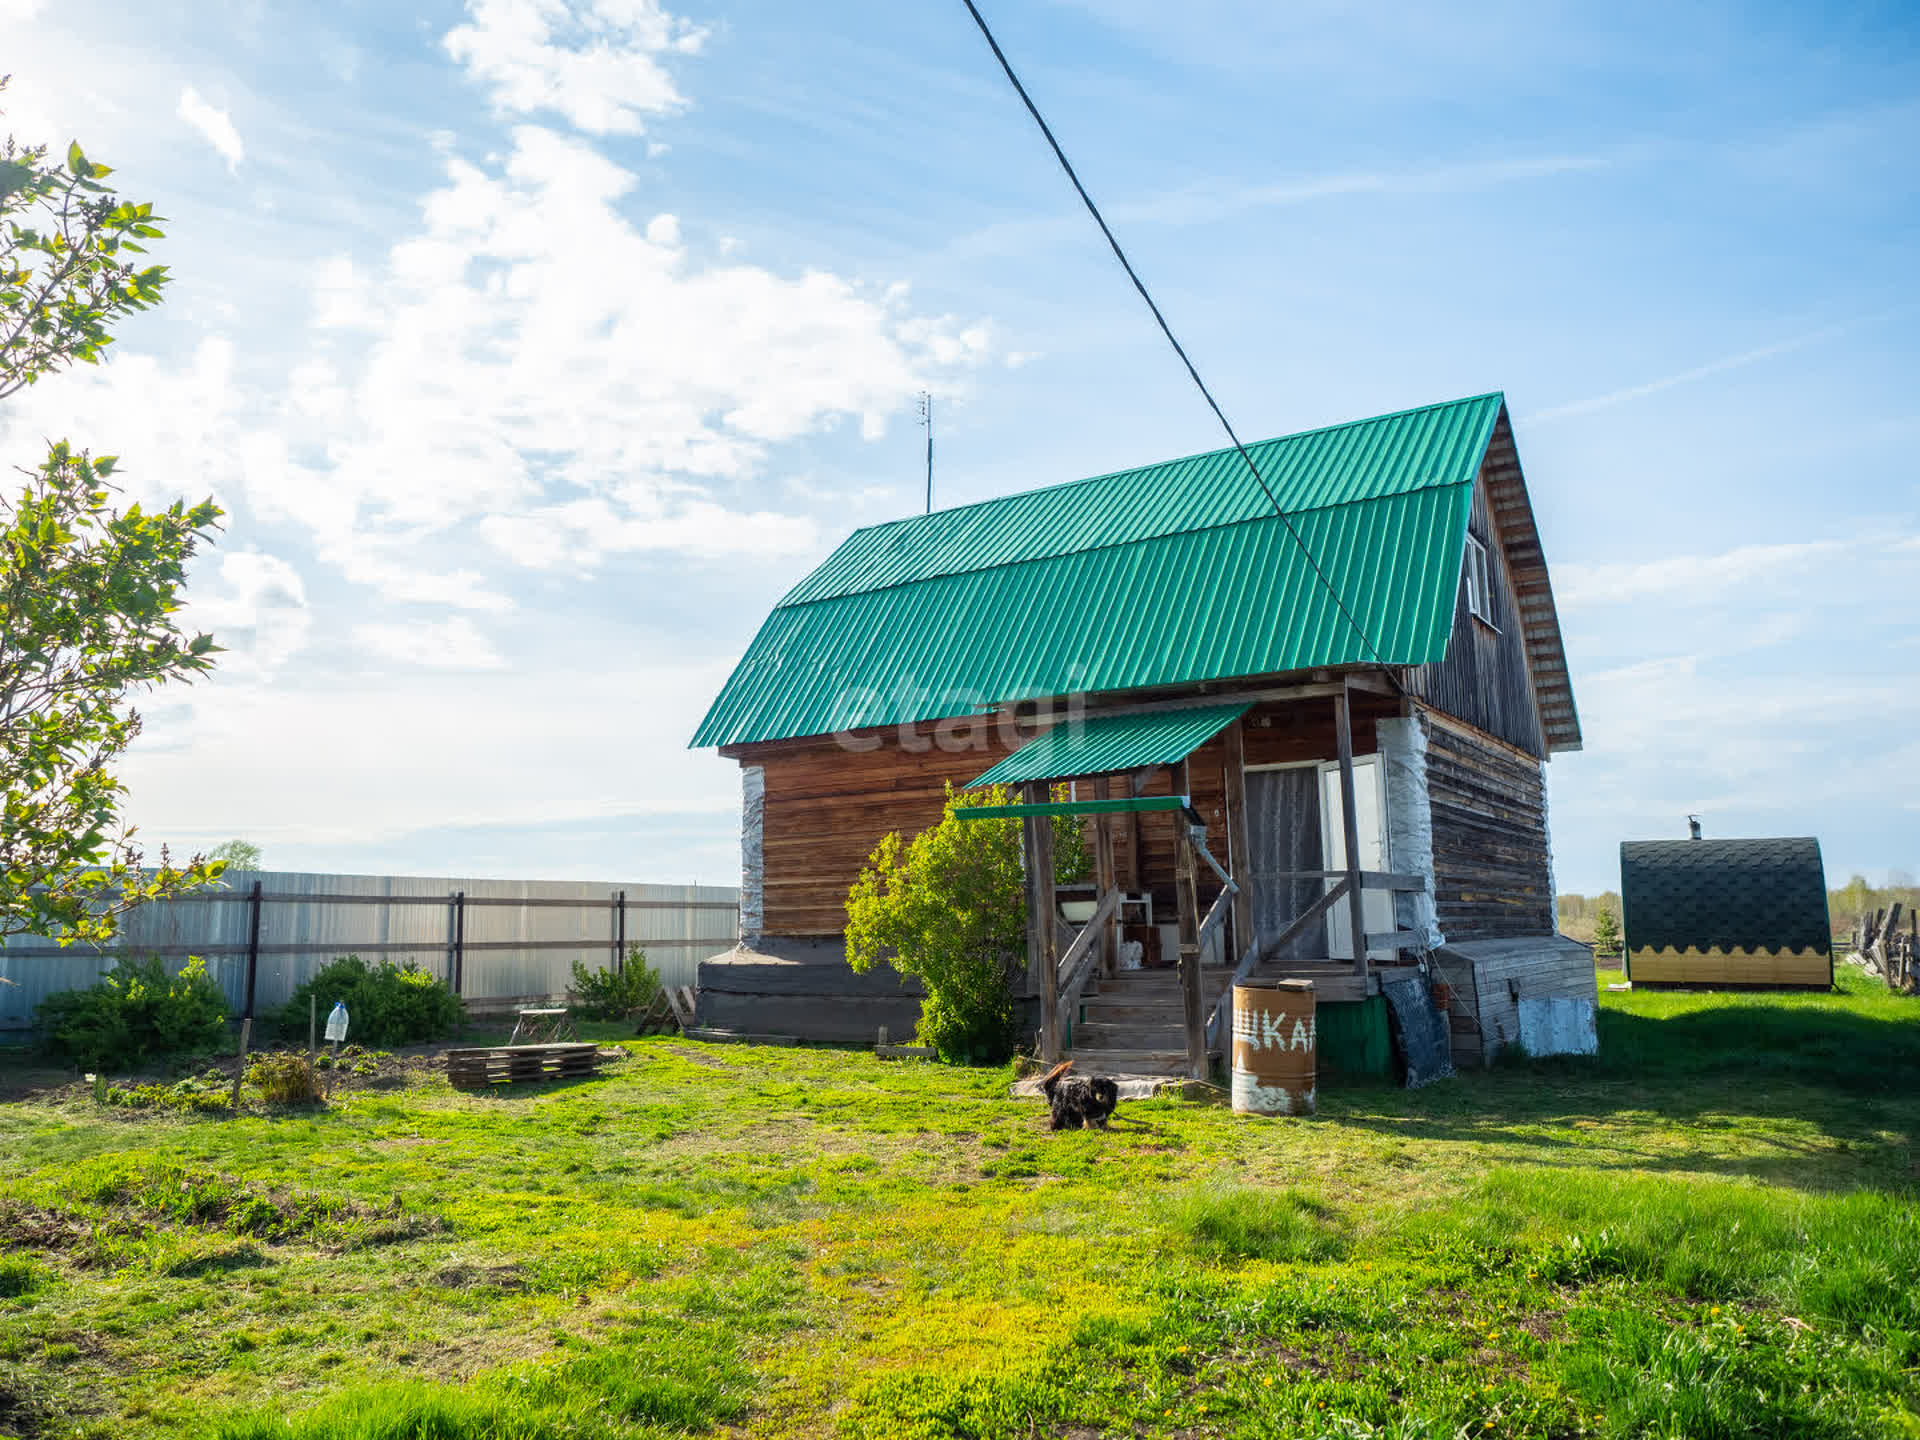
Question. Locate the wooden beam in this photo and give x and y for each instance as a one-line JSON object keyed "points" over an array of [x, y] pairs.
{"points": [[1042, 979], [1187, 891], [1078, 961], [1028, 808], [1239, 853], [1255, 956], [1104, 879], [1398, 940], [1374, 680], [1350, 829], [1369, 879]]}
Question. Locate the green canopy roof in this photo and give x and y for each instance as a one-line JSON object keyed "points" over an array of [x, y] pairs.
{"points": [[1170, 574], [1103, 744]]}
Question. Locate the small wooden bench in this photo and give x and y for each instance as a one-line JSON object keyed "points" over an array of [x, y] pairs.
{"points": [[542, 1027]]}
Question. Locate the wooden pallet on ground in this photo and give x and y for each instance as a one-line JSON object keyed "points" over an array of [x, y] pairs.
{"points": [[478, 1067]]}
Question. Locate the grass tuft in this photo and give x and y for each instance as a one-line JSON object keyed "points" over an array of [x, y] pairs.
{"points": [[1246, 1222]]}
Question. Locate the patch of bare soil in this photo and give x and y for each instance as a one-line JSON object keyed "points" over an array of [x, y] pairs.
{"points": [[57, 1232], [469, 1277]]}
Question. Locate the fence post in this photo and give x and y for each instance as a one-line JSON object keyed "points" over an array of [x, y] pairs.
{"points": [[620, 933], [459, 941], [253, 951]]}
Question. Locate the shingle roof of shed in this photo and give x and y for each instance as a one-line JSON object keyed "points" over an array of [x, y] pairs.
{"points": [[1169, 574], [1726, 895]]}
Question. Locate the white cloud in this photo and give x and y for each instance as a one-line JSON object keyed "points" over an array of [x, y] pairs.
{"points": [[572, 382], [255, 607], [1578, 586], [451, 644], [214, 125], [1704, 372], [359, 758], [597, 63], [173, 425]]}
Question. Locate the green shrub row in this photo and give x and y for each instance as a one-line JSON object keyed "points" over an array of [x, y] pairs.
{"points": [[134, 1016], [387, 1004], [139, 1015]]}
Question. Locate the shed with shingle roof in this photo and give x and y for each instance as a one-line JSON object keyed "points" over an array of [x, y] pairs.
{"points": [[1750, 913]]}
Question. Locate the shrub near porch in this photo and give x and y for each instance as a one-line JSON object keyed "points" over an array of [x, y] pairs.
{"points": [[1707, 1231]]}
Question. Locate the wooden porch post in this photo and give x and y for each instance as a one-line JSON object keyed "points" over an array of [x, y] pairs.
{"points": [[1350, 828], [1105, 880], [1037, 845], [1136, 867], [1187, 891], [1239, 855]]}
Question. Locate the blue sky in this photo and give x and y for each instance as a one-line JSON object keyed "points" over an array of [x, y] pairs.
{"points": [[536, 347]]}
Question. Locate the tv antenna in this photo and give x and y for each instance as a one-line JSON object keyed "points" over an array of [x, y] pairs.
{"points": [[926, 419]]}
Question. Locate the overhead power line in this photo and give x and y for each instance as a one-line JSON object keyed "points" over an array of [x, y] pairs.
{"points": [[1167, 330]]}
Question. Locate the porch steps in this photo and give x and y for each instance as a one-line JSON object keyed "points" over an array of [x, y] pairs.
{"points": [[1135, 1023]]}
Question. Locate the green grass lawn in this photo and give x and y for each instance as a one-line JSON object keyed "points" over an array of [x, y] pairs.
{"points": [[1708, 1231]]}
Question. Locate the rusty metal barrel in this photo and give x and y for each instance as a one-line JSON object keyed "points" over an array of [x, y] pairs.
{"points": [[1274, 1053]]}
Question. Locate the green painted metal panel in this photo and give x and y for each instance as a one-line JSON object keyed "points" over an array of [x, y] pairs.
{"points": [[1102, 744], [1363, 460], [1059, 596], [1071, 807], [1352, 1039]]}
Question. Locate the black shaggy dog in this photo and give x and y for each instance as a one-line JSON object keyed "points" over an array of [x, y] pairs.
{"points": [[1078, 1101]]}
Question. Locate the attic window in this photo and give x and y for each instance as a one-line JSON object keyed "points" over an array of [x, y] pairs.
{"points": [[1479, 590]]}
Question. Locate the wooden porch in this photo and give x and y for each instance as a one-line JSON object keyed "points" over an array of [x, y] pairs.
{"points": [[1176, 1018]]}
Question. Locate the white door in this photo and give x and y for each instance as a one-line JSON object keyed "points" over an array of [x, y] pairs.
{"points": [[1370, 815]]}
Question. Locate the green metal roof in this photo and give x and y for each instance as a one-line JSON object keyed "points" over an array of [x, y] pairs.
{"points": [[1103, 744], [1172, 574]]}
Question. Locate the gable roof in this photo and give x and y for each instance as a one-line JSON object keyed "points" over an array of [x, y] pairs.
{"points": [[1169, 574]]}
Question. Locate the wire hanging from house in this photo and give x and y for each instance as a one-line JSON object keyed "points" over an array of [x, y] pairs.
{"points": [[1167, 330]]}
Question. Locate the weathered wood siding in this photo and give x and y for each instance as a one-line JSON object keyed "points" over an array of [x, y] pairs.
{"points": [[826, 806], [1490, 979], [1490, 855], [1484, 679]]}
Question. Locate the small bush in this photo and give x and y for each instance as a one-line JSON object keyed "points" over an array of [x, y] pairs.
{"points": [[387, 1004], [284, 1079], [614, 994], [135, 1015]]}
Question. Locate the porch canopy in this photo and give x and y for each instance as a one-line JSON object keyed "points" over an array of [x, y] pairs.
{"points": [[1106, 744]]}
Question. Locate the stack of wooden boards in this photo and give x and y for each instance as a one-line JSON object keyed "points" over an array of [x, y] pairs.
{"points": [[1885, 951], [481, 1066], [670, 1010]]}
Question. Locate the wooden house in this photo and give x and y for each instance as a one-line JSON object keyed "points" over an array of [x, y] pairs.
{"points": [[1310, 710], [1726, 913]]}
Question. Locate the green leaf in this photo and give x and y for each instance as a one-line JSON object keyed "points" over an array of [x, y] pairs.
{"points": [[77, 161]]}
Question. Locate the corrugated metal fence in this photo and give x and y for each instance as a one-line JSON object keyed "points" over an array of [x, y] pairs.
{"points": [[497, 941]]}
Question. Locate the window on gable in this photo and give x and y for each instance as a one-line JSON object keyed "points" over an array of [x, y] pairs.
{"points": [[1479, 589]]}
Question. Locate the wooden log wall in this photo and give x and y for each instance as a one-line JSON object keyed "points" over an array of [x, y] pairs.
{"points": [[827, 806], [1490, 855], [1485, 678]]}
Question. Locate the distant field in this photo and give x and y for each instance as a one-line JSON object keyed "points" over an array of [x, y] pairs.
{"points": [[1709, 1231]]}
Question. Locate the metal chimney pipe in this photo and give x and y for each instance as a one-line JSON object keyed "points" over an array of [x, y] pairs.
{"points": [[1693, 827]]}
